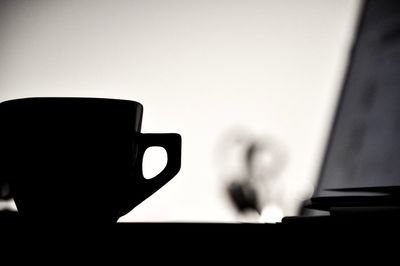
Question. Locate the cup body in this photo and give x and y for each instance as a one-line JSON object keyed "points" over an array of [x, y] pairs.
{"points": [[75, 159]]}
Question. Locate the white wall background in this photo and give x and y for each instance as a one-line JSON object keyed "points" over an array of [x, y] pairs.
{"points": [[199, 68]]}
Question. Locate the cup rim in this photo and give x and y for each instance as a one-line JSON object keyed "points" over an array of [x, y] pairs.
{"points": [[27, 99]]}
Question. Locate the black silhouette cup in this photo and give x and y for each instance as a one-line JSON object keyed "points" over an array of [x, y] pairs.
{"points": [[79, 160]]}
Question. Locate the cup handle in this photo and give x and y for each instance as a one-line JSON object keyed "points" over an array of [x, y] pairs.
{"points": [[172, 143]]}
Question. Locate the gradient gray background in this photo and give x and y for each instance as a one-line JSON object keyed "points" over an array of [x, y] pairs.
{"points": [[199, 68]]}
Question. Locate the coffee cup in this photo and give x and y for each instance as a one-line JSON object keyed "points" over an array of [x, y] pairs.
{"points": [[78, 160]]}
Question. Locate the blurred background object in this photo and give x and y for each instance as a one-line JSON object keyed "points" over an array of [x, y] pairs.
{"points": [[5, 192], [7, 204], [272, 66], [250, 167]]}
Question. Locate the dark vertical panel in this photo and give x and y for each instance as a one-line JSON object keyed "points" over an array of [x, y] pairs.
{"points": [[364, 146]]}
